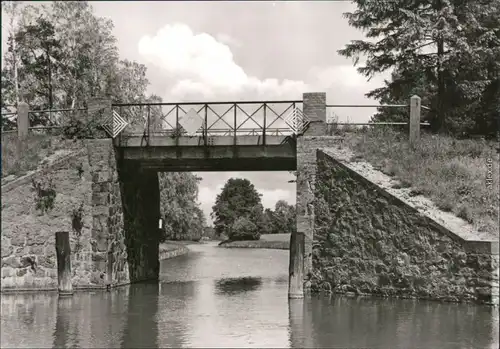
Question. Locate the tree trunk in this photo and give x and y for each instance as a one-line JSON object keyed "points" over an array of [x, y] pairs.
{"points": [[439, 122], [440, 117]]}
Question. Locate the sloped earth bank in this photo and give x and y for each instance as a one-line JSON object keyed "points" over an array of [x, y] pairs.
{"points": [[373, 239], [170, 250]]}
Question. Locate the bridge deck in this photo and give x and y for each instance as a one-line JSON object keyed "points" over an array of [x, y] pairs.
{"points": [[184, 153]]}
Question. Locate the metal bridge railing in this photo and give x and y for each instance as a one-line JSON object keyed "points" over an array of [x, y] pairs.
{"points": [[209, 119]]}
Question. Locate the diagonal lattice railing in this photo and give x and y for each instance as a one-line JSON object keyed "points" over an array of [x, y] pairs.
{"points": [[255, 118]]}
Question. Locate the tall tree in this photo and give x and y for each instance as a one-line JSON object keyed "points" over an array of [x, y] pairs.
{"points": [[184, 220], [238, 199], [446, 47]]}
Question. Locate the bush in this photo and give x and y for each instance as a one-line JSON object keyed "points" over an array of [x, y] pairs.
{"points": [[243, 229]]}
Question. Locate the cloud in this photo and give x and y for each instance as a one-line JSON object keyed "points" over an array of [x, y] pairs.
{"points": [[204, 67], [228, 40]]}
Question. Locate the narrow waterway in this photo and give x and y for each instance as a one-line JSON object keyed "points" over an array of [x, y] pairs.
{"points": [[216, 297]]}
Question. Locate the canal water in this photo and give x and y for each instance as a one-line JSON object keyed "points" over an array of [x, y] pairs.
{"points": [[216, 297]]}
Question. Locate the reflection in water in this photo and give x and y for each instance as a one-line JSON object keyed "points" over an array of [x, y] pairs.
{"points": [[216, 297], [66, 333], [141, 330], [232, 286]]}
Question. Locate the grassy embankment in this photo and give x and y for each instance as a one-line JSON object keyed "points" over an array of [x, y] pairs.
{"points": [[271, 241], [459, 176], [20, 157]]}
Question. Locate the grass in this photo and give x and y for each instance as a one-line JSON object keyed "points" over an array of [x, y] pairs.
{"points": [[271, 241], [20, 157], [453, 173]]}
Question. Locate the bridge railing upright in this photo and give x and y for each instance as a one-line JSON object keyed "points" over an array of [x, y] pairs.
{"points": [[209, 119]]}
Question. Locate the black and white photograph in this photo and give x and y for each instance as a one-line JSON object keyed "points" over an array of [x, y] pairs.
{"points": [[250, 174]]}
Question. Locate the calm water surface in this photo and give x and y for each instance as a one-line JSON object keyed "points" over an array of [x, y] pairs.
{"points": [[215, 297]]}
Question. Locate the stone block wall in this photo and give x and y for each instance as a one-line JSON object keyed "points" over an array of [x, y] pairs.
{"points": [[306, 173], [109, 253], [367, 241], [86, 180], [28, 237]]}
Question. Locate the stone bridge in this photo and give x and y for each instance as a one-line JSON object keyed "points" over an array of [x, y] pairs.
{"points": [[140, 155], [374, 242]]}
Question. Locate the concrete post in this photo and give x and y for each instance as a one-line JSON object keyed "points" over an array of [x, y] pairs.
{"points": [[22, 120], [415, 107], [314, 108]]}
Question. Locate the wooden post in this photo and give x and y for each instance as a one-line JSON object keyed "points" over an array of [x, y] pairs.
{"points": [[296, 266], [415, 106], [109, 271], [22, 120], [63, 252]]}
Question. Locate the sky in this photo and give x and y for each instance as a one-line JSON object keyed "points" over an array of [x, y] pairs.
{"points": [[267, 50]]}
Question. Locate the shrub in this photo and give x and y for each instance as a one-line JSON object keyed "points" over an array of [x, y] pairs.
{"points": [[243, 229]]}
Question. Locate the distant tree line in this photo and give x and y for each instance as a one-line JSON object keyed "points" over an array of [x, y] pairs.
{"points": [[445, 51]]}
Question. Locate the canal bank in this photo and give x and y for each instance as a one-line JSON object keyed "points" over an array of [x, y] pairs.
{"points": [[171, 249], [268, 241]]}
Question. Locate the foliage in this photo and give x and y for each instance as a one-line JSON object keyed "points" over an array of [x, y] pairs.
{"points": [[61, 54], [45, 195], [447, 52], [244, 229], [77, 226], [280, 221], [184, 219], [238, 199], [76, 127], [77, 220]]}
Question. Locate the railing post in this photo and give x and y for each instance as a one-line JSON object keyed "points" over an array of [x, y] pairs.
{"points": [[63, 253], [150, 124], [205, 131], [23, 122], [235, 125], [415, 107], [264, 129]]}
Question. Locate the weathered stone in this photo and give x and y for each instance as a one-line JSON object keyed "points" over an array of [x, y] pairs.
{"points": [[8, 272], [22, 272], [101, 176], [18, 240], [46, 262], [37, 250], [101, 187], [35, 238], [407, 257], [99, 199], [11, 261], [7, 249]]}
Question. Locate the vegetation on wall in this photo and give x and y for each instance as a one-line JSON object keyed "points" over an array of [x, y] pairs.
{"points": [[45, 194]]}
